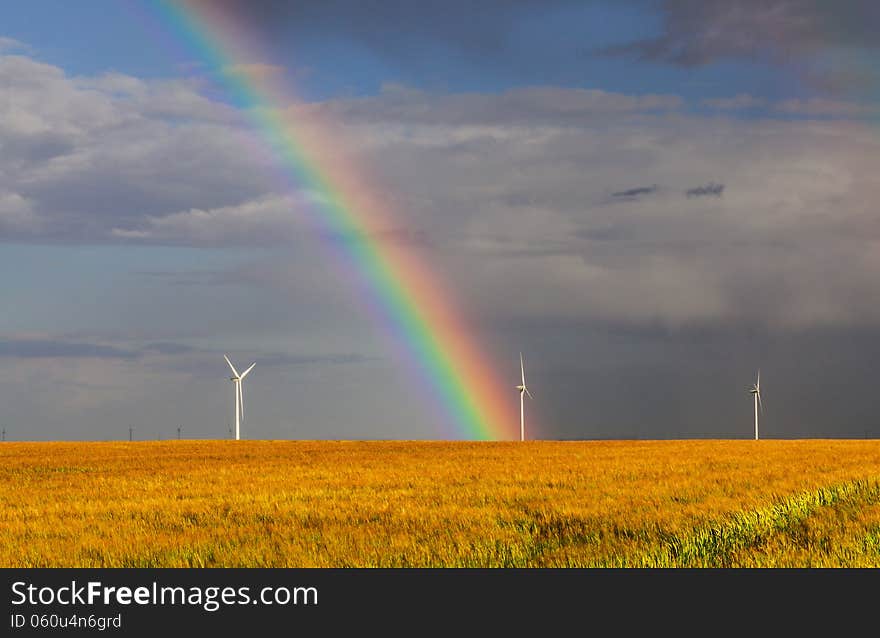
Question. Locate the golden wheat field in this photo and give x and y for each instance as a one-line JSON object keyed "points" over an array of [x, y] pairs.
{"points": [[380, 503]]}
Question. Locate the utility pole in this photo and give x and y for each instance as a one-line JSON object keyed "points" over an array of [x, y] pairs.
{"points": [[178, 432]]}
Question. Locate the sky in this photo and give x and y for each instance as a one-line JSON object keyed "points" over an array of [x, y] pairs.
{"points": [[650, 200]]}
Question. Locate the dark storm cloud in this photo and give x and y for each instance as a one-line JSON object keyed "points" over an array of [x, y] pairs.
{"points": [[693, 382], [633, 193], [699, 32], [709, 190]]}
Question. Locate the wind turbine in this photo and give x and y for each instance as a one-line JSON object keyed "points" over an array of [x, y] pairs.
{"points": [[523, 389], [239, 397], [756, 390]]}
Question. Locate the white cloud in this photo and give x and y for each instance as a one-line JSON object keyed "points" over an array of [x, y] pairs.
{"points": [[158, 98], [96, 154], [11, 44], [16, 214]]}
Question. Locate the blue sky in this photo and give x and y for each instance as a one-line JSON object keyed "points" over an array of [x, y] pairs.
{"points": [[650, 199]]}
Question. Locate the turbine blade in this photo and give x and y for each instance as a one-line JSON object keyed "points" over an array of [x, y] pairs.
{"points": [[529, 393], [758, 384], [760, 403], [245, 373], [522, 368], [234, 371]]}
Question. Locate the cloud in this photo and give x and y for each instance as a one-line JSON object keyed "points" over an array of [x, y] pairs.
{"points": [[164, 354], [709, 190], [498, 192], [11, 44], [85, 155], [17, 214], [199, 278], [820, 106], [205, 363], [164, 347], [698, 32], [308, 360], [606, 233], [738, 102], [30, 348], [505, 195], [266, 219], [634, 193], [113, 158], [828, 44], [527, 105]]}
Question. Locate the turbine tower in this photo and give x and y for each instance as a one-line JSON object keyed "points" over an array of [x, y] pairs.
{"points": [[756, 390], [523, 389], [239, 397]]}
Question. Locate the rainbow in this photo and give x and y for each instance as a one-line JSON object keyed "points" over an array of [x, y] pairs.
{"points": [[409, 301]]}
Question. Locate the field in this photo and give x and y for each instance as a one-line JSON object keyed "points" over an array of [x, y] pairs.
{"points": [[364, 504]]}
